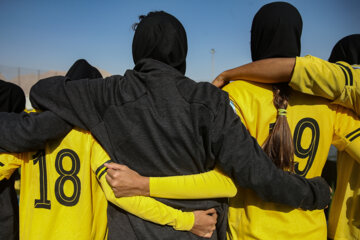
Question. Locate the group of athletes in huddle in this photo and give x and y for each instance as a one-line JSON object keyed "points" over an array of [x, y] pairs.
{"points": [[155, 155]]}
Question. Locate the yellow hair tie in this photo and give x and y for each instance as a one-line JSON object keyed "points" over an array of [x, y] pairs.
{"points": [[282, 112]]}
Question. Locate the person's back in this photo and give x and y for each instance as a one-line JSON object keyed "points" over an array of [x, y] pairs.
{"points": [[315, 124], [276, 31], [113, 108], [158, 124], [69, 173], [158, 117], [344, 219], [157, 120], [12, 99], [60, 196], [338, 82]]}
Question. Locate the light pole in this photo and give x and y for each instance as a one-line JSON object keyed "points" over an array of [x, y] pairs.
{"points": [[212, 51]]}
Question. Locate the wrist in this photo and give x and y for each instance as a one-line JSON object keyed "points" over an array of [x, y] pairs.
{"points": [[144, 186], [225, 76]]}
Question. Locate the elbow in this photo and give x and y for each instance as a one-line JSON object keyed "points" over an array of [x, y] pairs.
{"points": [[232, 190]]}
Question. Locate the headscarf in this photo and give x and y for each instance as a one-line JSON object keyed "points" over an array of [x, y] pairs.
{"points": [[12, 97], [162, 37], [347, 50], [276, 31], [82, 69]]}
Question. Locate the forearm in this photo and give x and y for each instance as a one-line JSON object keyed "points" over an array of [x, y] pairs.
{"points": [[272, 70], [212, 184], [26, 132], [63, 97], [151, 210], [256, 171]]}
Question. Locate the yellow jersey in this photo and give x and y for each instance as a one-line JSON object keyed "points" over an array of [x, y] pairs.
{"points": [[307, 117], [339, 82], [315, 125], [62, 192]]}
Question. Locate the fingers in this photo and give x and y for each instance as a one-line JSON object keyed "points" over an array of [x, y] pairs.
{"points": [[210, 211], [111, 177], [108, 178], [111, 172], [215, 216], [205, 222], [218, 83], [115, 166], [212, 214], [208, 235]]}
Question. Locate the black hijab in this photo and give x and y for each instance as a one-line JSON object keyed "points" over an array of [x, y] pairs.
{"points": [[81, 69], [12, 97], [162, 37], [276, 31], [347, 50]]}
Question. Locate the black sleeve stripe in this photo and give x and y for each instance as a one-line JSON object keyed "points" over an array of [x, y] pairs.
{"points": [[352, 133], [349, 72], [346, 77], [102, 173], [1, 164], [354, 137], [101, 167]]}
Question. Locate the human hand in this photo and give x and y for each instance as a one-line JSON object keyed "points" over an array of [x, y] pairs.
{"points": [[125, 182], [220, 81], [205, 223]]}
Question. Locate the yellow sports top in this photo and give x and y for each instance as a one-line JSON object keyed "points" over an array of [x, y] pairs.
{"points": [[315, 125], [62, 192], [339, 82]]}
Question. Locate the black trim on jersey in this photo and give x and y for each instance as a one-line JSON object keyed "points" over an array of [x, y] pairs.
{"points": [[349, 73], [101, 167], [102, 173], [346, 77], [352, 133], [1, 164], [356, 136]]}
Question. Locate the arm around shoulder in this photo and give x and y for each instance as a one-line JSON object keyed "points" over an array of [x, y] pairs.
{"points": [[212, 184], [241, 158], [30, 131]]}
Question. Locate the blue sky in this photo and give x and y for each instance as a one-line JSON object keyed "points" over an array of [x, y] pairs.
{"points": [[53, 34]]}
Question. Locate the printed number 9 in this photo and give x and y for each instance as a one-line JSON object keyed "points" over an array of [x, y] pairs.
{"points": [[309, 152]]}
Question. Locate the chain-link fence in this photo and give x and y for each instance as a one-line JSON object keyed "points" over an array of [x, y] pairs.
{"points": [[25, 77]]}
